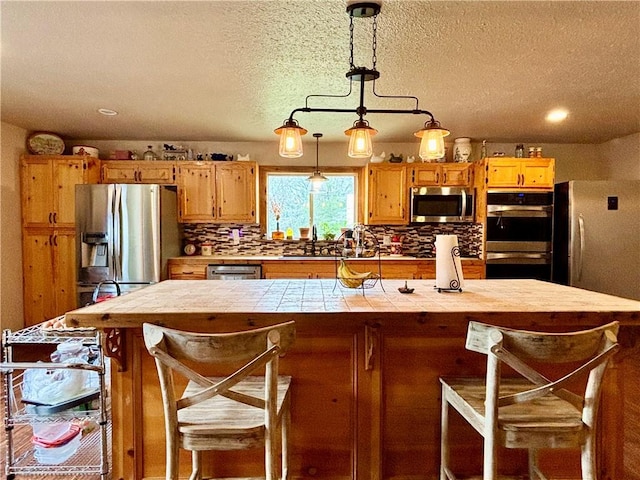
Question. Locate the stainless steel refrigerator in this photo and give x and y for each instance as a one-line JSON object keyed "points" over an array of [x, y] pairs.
{"points": [[596, 236], [124, 236]]}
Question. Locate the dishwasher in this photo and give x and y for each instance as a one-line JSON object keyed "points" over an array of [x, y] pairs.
{"points": [[234, 272]]}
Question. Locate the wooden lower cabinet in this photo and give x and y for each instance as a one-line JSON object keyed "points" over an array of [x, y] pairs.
{"points": [[299, 269], [365, 405], [187, 271], [193, 268], [471, 269], [49, 273], [390, 269], [327, 268]]}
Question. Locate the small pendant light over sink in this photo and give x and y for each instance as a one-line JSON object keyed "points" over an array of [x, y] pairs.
{"points": [[432, 143], [317, 180]]}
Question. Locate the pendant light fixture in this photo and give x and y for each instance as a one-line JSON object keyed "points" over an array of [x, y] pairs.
{"points": [[317, 180], [432, 135]]}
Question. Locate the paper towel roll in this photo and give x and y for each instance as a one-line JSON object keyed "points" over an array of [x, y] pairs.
{"points": [[448, 264]]}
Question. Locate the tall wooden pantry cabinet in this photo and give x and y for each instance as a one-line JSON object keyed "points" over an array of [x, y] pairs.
{"points": [[48, 225]]}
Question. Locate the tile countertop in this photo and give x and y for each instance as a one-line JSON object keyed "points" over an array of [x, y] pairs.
{"points": [[175, 302]]}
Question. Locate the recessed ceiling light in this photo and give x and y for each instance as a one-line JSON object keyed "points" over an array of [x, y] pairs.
{"points": [[107, 111], [556, 116]]}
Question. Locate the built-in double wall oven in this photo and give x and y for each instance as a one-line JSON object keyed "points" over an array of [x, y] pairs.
{"points": [[519, 234]]}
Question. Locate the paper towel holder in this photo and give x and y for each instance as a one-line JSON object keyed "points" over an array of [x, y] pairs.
{"points": [[455, 283]]}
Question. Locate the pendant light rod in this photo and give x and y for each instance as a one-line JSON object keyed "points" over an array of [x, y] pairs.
{"points": [[356, 111], [317, 136]]}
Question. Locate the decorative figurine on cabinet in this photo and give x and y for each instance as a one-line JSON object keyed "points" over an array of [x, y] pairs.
{"points": [[378, 158]]}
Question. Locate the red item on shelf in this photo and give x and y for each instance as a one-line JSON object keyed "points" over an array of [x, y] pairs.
{"points": [[57, 440]]}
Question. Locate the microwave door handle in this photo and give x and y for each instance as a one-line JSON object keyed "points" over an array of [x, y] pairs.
{"points": [[464, 205], [582, 242]]}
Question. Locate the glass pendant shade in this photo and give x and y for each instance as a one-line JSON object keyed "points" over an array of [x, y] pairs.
{"points": [[360, 139], [432, 140], [316, 182], [290, 139]]}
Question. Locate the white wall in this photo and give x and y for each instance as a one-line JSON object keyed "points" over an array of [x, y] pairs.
{"points": [[622, 157], [13, 144]]}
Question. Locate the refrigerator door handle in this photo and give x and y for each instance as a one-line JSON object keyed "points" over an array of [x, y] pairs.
{"points": [[581, 233], [117, 226]]}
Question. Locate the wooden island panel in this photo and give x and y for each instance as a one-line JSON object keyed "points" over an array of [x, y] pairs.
{"points": [[366, 398]]}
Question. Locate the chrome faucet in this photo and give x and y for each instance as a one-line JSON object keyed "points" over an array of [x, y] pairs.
{"points": [[311, 249]]}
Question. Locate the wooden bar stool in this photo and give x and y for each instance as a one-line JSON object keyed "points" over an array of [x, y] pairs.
{"points": [[236, 412], [532, 412]]}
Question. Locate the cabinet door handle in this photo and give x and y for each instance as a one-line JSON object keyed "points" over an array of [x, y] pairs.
{"points": [[55, 240], [444, 175], [220, 211], [55, 217], [50, 217], [438, 177]]}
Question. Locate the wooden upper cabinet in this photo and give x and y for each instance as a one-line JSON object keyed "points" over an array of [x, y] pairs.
{"points": [[127, 171], [196, 192], [440, 174], [236, 191], [49, 186], [538, 173], [211, 192], [387, 194]]}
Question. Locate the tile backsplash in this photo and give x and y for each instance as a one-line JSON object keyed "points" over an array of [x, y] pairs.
{"points": [[417, 240]]}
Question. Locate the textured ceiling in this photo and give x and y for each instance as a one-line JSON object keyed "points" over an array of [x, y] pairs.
{"points": [[234, 70]]}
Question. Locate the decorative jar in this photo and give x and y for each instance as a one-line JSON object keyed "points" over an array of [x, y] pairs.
{"points": [[462, 149]]}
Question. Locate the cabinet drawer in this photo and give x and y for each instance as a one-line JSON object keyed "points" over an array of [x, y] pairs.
{"points": [[187, 272]]}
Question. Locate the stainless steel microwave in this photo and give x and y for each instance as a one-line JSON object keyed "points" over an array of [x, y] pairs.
{"points": [[441, 204]]}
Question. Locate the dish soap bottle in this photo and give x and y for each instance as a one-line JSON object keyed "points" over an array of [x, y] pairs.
{"points": [[149, 155]]}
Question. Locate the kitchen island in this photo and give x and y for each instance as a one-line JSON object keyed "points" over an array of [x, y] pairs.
{"points": [[366, 396]]}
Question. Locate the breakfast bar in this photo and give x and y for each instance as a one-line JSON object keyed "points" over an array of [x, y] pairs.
{"points": [[365, 368]]}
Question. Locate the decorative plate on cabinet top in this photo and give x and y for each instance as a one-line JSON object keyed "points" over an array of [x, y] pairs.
{"points": [[45, 143]]}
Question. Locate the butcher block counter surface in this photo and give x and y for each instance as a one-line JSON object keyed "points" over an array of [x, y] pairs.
{"points": [[174, 301], [365, 370]]}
